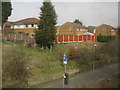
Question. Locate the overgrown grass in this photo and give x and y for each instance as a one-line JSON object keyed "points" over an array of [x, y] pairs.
{"points": [[44, 66]]}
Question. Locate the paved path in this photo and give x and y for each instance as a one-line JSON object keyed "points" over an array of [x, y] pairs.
{"points": [[82, 78]]}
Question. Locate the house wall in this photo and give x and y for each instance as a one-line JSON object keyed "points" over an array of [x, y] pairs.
{"points": [[105, 30], [23, 26], [70, 31], [0, 27], [28, 31], [113, 32], [5, 31]]}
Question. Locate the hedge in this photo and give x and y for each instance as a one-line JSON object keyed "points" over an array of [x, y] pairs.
{"points": [[103, 38]]}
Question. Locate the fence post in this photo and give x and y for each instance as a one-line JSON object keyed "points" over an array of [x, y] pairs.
{"points": [[68, 38], [73, 38], [21, 36], [57, 38], [63, 38], [94, 38], [15, 37], [78, 38], [50, 48], [82, 37], [87, 38]]}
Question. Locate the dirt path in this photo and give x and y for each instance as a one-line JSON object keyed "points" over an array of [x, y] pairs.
{"points": [[80, 79]]}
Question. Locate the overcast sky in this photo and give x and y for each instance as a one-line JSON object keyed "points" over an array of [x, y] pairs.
{"points": [[90, 13]]}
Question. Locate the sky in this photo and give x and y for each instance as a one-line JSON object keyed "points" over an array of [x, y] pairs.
{"points": [[92, 13]]}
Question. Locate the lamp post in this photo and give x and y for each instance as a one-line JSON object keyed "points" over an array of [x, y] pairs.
{"points": [[93, 65]]}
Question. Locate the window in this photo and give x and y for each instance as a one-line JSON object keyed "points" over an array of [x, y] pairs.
{"points": [[27, 34], [78, 29], [12, 27], [32, 25], [26, 26], [70, 29], [103, 29]]}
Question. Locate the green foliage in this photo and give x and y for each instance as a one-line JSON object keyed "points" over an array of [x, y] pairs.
{"points": [[77, 21], [20, 32], [11, 32], [102, 38], [46, 33], [6, 11]]}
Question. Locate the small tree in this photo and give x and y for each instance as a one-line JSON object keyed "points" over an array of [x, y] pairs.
{"points": [[46, 33], [77, 21]]}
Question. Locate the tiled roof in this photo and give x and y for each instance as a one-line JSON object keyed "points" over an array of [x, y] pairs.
{"points": [[91, 29], [75, 25], [8, 23], [105, 26], [27, 21]]}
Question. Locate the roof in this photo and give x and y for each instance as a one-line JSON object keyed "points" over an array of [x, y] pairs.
{"points": [[27, 21], [75, 25], [8, 23], [91, 28], [105, 26]]}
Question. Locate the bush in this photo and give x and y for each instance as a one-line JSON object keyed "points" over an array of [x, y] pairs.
{"points": [[102, 38], [11, 32], [73, 54], [107, 53], [14, 64], [85, 56], [21, 33]]}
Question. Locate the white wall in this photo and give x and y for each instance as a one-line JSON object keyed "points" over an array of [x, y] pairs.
{"points": [[23, 26], [0, 27]]}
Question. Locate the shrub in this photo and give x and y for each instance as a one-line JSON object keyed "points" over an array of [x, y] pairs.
{"points": [[11, 32], [107, 52], [14, 64], [21, 33], [103, 38], [85, 55], [73, 54]]}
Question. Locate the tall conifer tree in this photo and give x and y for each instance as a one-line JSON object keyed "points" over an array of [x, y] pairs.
{"points": [[6, 11], [46, 32]]}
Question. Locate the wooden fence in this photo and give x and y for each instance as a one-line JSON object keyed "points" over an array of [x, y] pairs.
{"points": [[22, 37], [74, 38], [60, 38]]}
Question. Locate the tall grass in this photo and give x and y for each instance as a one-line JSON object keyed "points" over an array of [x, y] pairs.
{"points": [[37, 64]]}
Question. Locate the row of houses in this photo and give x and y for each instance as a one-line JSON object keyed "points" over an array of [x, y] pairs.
{"points": [[29, 25]]}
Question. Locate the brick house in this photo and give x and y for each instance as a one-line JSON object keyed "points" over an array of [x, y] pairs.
{"points": [[7, 27], [105, 30], [71, 28], [91, 29], [27, 26]]}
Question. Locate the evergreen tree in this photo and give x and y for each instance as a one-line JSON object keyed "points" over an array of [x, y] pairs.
{"points": [[77, 21], [46, 32], [6, 11]]}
